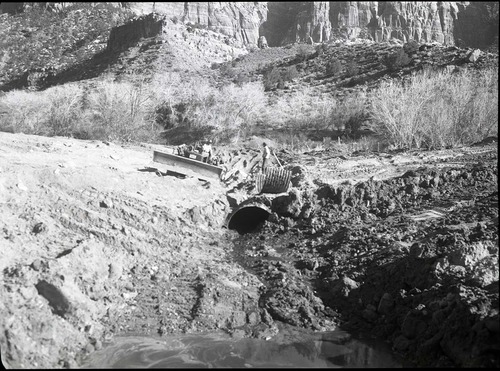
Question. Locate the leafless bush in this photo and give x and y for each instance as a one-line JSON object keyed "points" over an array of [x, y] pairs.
{"points": [[349, 114], [226, 111], [24, 112], [112, 111], [396, 60], [303, 51], [52, 112], [306, 110], [121, 111], [334, 67], [301, 110], [437, 109]]}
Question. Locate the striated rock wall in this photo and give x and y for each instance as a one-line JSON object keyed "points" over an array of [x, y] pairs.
{"points": [[281, 18], [446, 22], [240, 20], [312, 21], [381, 21], [476, 23], [469, 24]]}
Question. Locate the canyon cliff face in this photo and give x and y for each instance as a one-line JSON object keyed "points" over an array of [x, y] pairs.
{"points": [[472, 24], [240, 20], [444, 22]]}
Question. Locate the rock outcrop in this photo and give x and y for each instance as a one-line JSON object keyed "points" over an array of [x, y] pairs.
{"points": [[127, 35], [468, 24], [240, 20], [444, 22]]}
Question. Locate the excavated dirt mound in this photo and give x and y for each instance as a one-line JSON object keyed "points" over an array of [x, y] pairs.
{"points": [[97, 243]]}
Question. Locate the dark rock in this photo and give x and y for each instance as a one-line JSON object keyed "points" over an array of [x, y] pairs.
{"points": [[39, 227], [401, 343], [58, 302], [413, 326], [106, 203], [386, 304], [369, 313]]}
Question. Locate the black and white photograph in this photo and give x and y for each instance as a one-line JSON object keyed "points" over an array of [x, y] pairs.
{"points": [[303, 184]]}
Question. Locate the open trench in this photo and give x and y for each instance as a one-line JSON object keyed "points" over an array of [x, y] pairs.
{"points": [[411, 259], [92, 253], [378, 257], [359, 258], [301, 335]]}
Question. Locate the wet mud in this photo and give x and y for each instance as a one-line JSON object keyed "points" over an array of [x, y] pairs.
{"points": [[411, 259], [401, 248]]}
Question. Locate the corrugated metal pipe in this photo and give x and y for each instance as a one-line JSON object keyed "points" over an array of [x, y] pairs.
{"points": [[246, 218]]}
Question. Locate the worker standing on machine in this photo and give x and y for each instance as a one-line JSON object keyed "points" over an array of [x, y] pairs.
{"points": [[266, 156], [206, 151]]}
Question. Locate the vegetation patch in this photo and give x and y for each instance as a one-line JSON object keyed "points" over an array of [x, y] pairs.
{"points": [[41, 40], [437, 109]]}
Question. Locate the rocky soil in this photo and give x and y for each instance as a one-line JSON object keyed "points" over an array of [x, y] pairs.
{"points": [[97, 242], [367, 57]]}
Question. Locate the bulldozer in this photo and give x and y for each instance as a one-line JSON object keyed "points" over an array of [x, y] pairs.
{"points": [[188, 166], [273, 180]]}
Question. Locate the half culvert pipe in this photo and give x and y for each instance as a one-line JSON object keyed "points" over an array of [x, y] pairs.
{"points": [[247, 218]]}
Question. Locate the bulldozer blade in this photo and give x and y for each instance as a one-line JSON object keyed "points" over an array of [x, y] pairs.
{"points": [[187, 166]]}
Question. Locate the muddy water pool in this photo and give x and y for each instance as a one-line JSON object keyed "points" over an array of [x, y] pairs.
{"points": [[289, 349]]}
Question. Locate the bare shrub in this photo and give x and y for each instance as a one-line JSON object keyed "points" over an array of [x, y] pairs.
{"points": [[306, 110], [234, 108], [64, 109], [226, 111], [396, 60], [290, 73], [25, 112], [352, 68], [411, 47], [350, 114], [112, 111], [52, 112], [301, 110], [121, 111], [271, 79], [437, 109], [333, 67], [303, 51]]}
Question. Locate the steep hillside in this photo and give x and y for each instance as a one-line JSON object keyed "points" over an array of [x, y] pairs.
{"points": [[341, 68], [320, 21], [41, 40]]}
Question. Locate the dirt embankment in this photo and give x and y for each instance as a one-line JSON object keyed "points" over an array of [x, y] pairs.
{"points": [[94, 244], [90, 243]]}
